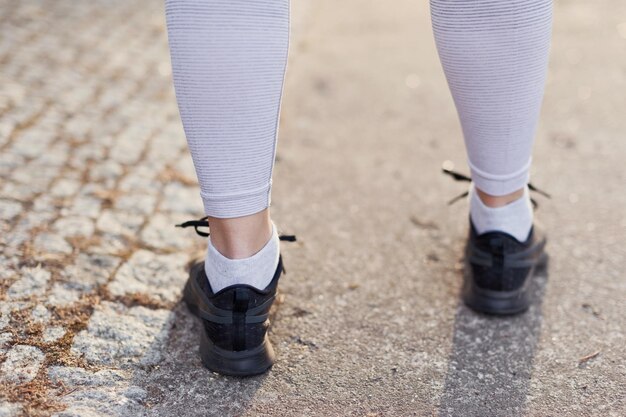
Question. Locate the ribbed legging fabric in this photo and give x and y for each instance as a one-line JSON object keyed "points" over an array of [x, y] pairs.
{"points": [[229, 59], [228, 64], [495, 54]]}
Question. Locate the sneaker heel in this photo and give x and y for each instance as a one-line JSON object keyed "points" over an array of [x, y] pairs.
{"points": [[236, 363]]}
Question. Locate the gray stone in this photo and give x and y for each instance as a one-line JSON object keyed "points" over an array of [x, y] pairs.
{"points": [[120, 222], [50, 243], [140, 179], [185, 166], [32, 143], [65, 187], [9, 209], [63, 294], [17, 191], [90, 270], [159, 276], [77, 377], [8, 162], [8, 409], [126, 150], [102, 393], [40, 314], [22, 364], [5, 314], [84, 205], [111, 244], [5, 339], [106, 172], [121, 336], [52, 334], [55, 156], [45, 207], [32, 282], [160, 232], [180, 199], [74, 226], [33, 220], [140, 203], [36, 177]]}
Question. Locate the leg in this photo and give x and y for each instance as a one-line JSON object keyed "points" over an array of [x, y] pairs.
{"points": [[228, 62], [494, 54]]}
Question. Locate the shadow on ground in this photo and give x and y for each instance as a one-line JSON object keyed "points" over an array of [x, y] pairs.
{"points": [[491, 362]]}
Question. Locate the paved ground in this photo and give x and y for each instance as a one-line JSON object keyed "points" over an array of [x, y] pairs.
{"points": [[94, 173]]}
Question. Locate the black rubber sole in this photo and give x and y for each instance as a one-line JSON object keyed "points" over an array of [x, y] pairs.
{"points": [[233, 363], [500, 303], [236, 363]]}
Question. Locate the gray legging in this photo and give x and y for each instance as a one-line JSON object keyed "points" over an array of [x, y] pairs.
{"points": [[229, 59]]}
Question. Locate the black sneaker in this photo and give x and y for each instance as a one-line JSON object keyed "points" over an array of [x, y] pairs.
{"points": [[235, 320], [498, 267], [498, 270]]}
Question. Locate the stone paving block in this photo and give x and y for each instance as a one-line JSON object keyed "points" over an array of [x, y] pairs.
{"points": [[127, 150], [83, 157], [140, 179], [180, 199], [27, 224], [50, 243], [106, 172], [36, 177], [65, 187], [9, 209], [8, 162], [40, 314], [155, 275], [17, 191], [74, 226], [75, 376], [32, 282], [12, 241], [90, 270], [161, 233], [120, 222], [54, 156], [111, 244], [137, 203], [32, 143], [45, 207], [5, 311], [106, 392], [62, 295], [8, 409], [5, 338], [52, 334], [184, 165], [164, 149], [83, 205], [120, 336], [21, 364]]}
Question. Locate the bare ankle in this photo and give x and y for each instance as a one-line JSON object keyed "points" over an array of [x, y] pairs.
{"points": [[241, 237], [499, 201]]}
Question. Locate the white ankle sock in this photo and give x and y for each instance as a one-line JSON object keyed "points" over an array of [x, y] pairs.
{"points": [[257, 270], [516, 218]]}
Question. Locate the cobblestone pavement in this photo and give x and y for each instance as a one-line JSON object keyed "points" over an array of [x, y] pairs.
{"points": [[94, 173]]}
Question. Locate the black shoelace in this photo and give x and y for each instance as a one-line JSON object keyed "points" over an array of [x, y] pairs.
{"points": [[457, 176], [204, 222]]}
